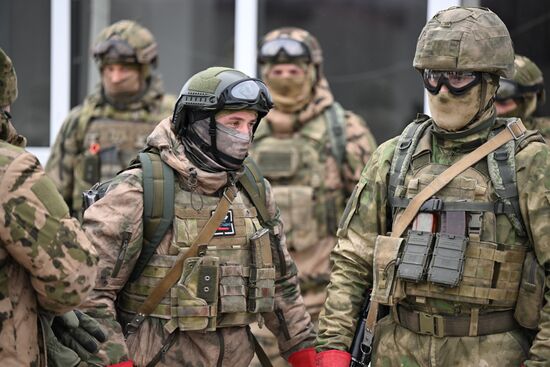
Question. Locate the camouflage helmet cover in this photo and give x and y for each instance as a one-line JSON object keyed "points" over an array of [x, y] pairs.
{"points": [[204, 91], [300, 35], [8, 80], [468, 39], [125, 41], [526, 72]]}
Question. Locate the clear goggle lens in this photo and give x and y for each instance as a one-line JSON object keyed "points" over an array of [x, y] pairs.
{"points": [[457, 82], [290, 47]]}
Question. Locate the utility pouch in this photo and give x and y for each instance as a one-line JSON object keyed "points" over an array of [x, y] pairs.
{"points": [[447, 264], [232, 288], [194, 298], [531, 293], [92, 167], [414, 259], [261, 290], [386, 251]]}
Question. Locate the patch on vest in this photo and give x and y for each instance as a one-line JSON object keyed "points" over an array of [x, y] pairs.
{"points": [[227, 226]]}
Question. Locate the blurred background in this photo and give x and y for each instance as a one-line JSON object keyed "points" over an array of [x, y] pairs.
{"points": [[368, 48]]}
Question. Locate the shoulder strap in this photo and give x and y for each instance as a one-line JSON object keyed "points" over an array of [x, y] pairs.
{"points": [[253, 183], [336, 129], [406, 145], [158, 206]]}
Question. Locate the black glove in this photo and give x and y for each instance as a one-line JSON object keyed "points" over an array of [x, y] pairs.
{"points": [[79, 332]]}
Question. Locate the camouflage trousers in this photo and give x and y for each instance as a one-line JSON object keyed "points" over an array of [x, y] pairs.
{"points": [[231, 347], [397, 346]]}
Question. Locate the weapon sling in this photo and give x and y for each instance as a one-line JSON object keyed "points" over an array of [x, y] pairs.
{"points": [[514, 130], [173, 275]]}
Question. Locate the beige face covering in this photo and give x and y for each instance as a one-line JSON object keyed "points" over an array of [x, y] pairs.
{"points": [[453, 113], [524, 108], [291, 94]]}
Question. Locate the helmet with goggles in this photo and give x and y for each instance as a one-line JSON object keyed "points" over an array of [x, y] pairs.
{"points": [[215, 89], [125, 42], [289, 44], [465, 39], [526, 81]]}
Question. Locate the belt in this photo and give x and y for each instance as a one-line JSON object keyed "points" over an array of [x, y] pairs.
{"points": [[441, 325]]}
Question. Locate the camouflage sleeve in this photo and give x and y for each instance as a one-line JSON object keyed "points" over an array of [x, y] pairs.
{"points": [[289, 322], [363, 219], [39, 234], [114, 224], [63, 156], [360, 144], [533, 165]]}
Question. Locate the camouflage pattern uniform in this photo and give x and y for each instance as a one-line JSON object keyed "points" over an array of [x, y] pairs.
{"points": [[492, 283], [200, 338], [101, 136], [527, 75], [46, 260], [294, 150]]}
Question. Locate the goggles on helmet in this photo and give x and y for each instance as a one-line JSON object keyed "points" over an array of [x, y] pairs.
{"points": [[508, 89], [246, 93], [114, 47], [283, 49], [458, 82]]}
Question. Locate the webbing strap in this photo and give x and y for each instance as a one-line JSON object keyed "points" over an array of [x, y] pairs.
{"points": [[260, 352], [204, 236], [514, 130], [335, 118], [158, 206], [253, 183]]}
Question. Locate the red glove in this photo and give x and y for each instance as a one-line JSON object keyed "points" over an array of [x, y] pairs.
{"points": [[333, 358], [122, 364], [303, 358]]}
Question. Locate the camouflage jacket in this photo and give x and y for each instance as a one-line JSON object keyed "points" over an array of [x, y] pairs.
{"points": [[123, 206], [369, 217], [69, 149], [46, 260], [311, 221]]}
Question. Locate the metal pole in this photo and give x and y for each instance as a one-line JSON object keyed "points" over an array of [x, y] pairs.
{"points": [[246, 36]]}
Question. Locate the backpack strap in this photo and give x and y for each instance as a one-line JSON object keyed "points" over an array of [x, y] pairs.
{"points": [[158, 206], [336, 129], [253, 183]]}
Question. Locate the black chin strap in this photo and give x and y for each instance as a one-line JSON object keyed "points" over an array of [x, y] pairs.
{"points": [[212, 133]]}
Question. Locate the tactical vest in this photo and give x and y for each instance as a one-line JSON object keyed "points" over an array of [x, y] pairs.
{"points": [[229, 284], [468, 243], [108, 139], [296, 169]]}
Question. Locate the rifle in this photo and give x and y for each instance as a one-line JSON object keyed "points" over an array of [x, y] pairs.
{"points": [[361, 347]]}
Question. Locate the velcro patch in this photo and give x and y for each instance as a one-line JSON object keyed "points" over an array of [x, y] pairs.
{"points": [[227, 226]]}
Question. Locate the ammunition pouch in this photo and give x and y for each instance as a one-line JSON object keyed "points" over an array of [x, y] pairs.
{"points": [[298, 211], [386, 251], [447, 264], [414, 258], [531, 293], [261, 290]]}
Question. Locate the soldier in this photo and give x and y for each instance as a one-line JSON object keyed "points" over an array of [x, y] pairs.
{"points": [[235, 271], [102, 135], [462, 274], [520, 95], [312, 151], [47, 263]]}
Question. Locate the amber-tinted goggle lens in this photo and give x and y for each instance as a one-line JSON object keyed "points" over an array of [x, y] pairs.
{"points": [[270, 50], [117, 46], [457, 82]]}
